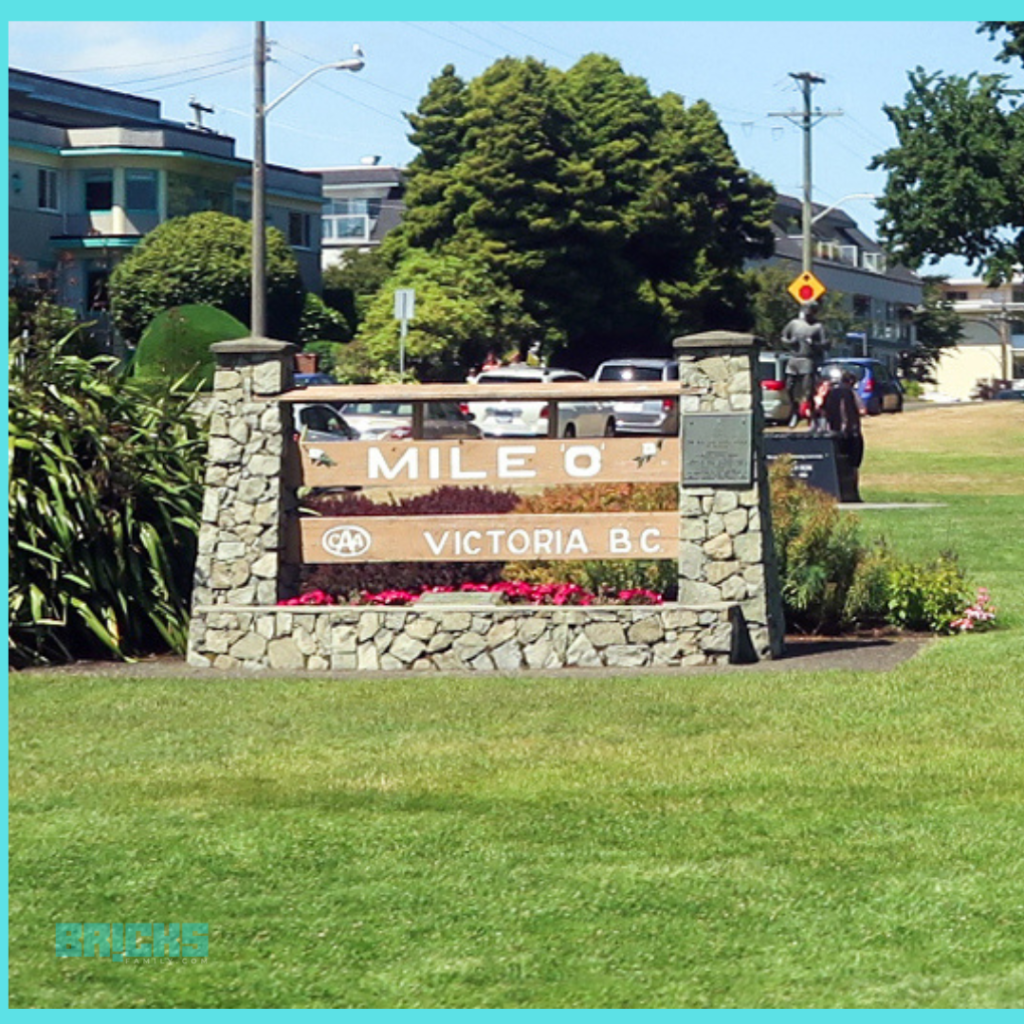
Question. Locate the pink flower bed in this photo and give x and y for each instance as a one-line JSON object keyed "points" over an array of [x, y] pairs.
{"points": [[978, 616], [516, 592]]}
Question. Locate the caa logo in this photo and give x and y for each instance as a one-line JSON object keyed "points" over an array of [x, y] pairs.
{"points": [[346, 541]]}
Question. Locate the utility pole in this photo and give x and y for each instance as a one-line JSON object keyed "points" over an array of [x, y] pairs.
{"points": [[258, 309], [807, 120], [258, 319]]}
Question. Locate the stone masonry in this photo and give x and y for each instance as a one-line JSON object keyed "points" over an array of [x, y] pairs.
{"points": [[726, 552], [473, 639], [246, 502]]}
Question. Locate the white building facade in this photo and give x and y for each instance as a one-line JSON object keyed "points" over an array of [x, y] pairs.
{"points": [[992, 349]]}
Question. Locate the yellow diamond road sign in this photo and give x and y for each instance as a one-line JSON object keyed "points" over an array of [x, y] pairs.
{"points": [[806, 287]]}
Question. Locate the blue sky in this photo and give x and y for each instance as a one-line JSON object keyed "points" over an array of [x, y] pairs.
{"points": [[740, 67]]}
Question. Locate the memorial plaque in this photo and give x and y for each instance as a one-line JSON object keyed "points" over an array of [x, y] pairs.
{"points": [[718, 449]]}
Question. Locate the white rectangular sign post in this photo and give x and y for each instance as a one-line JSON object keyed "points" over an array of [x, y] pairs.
{"points": [[405, 310]]}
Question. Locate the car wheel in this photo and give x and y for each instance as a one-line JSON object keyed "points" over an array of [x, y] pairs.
{"points": [[609, 428], [570, 430], [899, 404]]}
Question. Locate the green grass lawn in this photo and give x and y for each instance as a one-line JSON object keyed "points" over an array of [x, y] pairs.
{"points": [[765, 839]]}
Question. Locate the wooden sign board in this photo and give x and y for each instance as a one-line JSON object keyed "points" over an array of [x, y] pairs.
{"points": [[484, 462], [489, 538]]}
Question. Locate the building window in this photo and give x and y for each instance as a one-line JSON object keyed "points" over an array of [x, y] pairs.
{"points": [[99, 191], [956, 296], [361, 207], [862, 306], [875, 262], [1017, 294], [140, 190], [298, 229], [188, 193], [47, 189]]}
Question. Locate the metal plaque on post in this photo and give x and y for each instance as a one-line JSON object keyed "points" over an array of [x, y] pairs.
{"points": [[718, 449]]}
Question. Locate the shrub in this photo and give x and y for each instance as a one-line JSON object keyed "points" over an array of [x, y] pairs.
{"points": [[176, 345], [817, 549], [354, 365], [928, 596], [830, 579], [103, 509], [580, 498], [442, 501], [321, 323], [204, 258]]}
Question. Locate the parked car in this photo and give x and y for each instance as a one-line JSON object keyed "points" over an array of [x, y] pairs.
{"points": [[878, 390], [776, 401], [519, 417], [1010, 394], [441, 420], [309, 380], [322, 422], [649, 415]]}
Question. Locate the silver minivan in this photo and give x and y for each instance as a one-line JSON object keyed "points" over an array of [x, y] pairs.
{"points": [[647, 416]]}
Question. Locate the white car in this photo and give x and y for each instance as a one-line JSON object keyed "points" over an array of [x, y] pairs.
{"points": [[644, 416], [519, 417], [393, 420]]}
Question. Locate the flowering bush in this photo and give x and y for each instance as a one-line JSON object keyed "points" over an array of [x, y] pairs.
{"points": [[515, 591], [977, 616]]}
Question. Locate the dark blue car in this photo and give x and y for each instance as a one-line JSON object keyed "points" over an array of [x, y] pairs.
{"points": [[878, 389]]}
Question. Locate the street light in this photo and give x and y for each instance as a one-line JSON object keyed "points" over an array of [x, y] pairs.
{"points": [[258, 318], [839, 202]]}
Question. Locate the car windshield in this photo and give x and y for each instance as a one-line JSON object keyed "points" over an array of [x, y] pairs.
{"points": [[855, 368], [638, 373]]}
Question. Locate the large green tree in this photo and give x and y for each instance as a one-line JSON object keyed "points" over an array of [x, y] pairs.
{"points": [[956, 175], [462, 311], [618, 217], [204, 258]]}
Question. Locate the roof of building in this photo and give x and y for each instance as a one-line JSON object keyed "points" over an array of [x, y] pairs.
{"points": [[364, 174], [834, 226]]}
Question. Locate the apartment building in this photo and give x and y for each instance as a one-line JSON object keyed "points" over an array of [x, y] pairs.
{"points": [[361, 205], [92, 170], [881, 298]]}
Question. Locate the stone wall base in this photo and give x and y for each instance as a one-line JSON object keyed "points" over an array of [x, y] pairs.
{"points": [[475, 639]]}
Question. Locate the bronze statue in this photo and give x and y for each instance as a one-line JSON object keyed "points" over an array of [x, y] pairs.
{"points": [[804, 336]]}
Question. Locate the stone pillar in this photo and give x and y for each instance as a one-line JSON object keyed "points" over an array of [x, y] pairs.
{"points": [[240, 559], [726, 552]]}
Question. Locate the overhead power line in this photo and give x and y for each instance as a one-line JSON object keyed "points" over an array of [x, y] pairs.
{"points": [[239, 61], [144, 64]]}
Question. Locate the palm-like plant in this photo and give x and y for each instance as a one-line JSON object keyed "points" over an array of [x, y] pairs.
{"points": [[104, 500]]}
